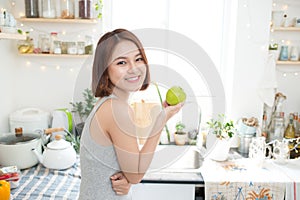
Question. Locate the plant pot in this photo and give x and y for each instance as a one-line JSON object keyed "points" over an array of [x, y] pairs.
{"points": [[180, 139]]}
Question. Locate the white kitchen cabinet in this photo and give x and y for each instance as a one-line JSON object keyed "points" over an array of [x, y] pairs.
{"points": [[163, 191]]}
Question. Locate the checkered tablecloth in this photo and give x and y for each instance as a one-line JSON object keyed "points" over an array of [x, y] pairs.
{"points": [[39, 182]]}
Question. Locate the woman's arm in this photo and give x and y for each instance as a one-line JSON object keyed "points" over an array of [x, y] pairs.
{"points": [[116, 118]]}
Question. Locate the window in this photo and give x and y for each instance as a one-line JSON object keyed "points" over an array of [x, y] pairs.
{"points": [[201, 22]]}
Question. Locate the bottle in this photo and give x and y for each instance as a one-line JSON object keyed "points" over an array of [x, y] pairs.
{"points": [[67, 9], [296, 124], [32, 8], [85, 9], [290, 129], [284, 53], [277, 128], [48, 8], [53, 38], [264, 128]]}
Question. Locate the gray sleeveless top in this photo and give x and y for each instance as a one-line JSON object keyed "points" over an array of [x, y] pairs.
{"points": [[98, 163]]}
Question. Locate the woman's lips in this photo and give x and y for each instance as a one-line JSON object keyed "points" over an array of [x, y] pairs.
{"points": [[133, 79]]}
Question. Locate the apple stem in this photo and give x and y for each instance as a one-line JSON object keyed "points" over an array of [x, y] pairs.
{"points": [[161, 102]]}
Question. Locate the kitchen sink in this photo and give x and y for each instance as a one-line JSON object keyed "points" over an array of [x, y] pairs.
{"points": [[175, 158]]}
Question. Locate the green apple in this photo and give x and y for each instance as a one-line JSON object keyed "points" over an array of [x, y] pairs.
{"points": [[175, 95]]}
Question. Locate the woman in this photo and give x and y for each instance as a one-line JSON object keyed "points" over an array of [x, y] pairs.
{"points": [[109, 142]]}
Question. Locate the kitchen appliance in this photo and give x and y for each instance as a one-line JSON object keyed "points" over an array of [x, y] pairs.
{"points": [[62, 118], [15, 149], [29, 119]]}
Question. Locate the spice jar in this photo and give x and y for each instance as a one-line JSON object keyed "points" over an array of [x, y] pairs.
{"points": [[72, 49], [45, 43], [32, 8], [67, 9], [48, 8], [57, 47], [80, 47], [85, 9]]}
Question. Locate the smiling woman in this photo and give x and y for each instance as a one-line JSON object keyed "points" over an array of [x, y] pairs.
{"points": [[109, 139]]}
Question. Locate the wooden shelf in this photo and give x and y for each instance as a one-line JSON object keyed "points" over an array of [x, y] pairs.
{"points": [[58, 20], [279, 62], [54, 55], [286, 29], [12, 36]]}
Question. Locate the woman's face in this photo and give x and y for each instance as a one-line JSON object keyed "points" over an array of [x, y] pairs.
{"points": [[127, 70]]}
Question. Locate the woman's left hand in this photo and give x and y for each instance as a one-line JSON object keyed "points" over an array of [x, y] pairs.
{"points": [[120, 184]]}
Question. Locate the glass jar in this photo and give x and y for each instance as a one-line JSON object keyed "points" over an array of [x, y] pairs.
{"points": [[67, 9], [85, 9], [80, 47], [49, 8], [89, 44], [72, 48], [32, 8], [57, 47], [45, 43]]}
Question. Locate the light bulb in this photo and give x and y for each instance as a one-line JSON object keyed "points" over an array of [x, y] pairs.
{"points": [[284, 74], [296, 73]]}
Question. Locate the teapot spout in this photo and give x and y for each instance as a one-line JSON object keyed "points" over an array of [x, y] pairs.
{"points": [[38, 155]]}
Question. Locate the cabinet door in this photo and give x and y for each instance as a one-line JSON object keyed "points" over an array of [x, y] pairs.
{"points": [[150, 191]]}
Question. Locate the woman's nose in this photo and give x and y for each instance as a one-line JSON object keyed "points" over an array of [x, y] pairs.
{"points": [[132, 66]]}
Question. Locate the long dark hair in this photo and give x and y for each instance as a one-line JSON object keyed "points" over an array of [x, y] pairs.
{"points": [[101, 84]]}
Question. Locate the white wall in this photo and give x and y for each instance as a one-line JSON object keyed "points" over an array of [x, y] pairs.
{"points": [[252, 39]]}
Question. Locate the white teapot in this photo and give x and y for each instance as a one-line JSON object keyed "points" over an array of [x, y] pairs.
{"points": [[59, 154]]}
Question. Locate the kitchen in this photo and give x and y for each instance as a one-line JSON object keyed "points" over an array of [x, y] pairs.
{"points": [[237, 41]]}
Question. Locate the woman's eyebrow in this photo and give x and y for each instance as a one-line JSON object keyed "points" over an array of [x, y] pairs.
{"points": [[124, 57]]}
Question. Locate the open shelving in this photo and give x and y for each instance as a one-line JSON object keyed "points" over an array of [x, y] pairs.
{"points": [[12, 36], [57, 20]]}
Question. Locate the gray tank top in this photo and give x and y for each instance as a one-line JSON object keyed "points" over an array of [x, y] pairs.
{"points": [[98, 163]]}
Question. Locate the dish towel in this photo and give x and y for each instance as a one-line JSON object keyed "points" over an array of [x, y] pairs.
{"points": [[268, 83], [241, 180]]}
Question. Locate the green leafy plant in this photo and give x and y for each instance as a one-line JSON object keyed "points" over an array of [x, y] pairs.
{"points": [[180, 128], [74, 140], [221, 127], [83, 108], [161, 102], [273, 46], [98, 8]]}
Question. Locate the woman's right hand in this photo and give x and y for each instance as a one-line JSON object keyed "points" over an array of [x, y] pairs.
{"points": [[170, 111]]}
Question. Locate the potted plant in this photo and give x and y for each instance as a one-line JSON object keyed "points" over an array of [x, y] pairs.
{"points": [[218, 139], [180, 135], [82, 109]]}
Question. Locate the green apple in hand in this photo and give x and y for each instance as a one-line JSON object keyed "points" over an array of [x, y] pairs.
{"points": [[175, 95]]}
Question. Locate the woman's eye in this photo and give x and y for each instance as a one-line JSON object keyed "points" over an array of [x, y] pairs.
{"points": [[121, 63], [139, 59]]}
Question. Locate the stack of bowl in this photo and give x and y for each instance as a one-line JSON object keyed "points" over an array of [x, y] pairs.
{"points": [[245, 133]]}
